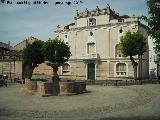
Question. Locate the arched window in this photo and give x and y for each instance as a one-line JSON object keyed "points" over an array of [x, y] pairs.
{"points": [[66, 68], [121, 69], [92, 21], [118, 52]]}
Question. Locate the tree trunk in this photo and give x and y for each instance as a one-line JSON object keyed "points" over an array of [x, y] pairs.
{"points": [[28, 70], [135, 64], [135, 71], [55, 79], [141, 67]]}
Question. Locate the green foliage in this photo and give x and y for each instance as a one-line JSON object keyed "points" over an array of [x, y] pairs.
{"points": [[56, 51], [33, 54], [132, 44], [154, 21]]}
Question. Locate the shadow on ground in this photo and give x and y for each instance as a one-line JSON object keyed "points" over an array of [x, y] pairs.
{"points": [[131, 118]]}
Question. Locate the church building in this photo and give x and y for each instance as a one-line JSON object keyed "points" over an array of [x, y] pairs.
{"points": [[94, 38]]}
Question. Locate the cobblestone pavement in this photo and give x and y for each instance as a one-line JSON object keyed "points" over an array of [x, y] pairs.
{"points": [[139, 102]]}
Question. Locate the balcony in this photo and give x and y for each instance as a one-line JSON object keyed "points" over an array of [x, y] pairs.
{"points": [[90, 56]]}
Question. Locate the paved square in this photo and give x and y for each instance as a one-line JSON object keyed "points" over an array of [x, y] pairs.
{"points": [[140, 102]]}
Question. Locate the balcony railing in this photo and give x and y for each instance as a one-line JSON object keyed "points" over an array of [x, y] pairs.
{"points": [[90, 56]]}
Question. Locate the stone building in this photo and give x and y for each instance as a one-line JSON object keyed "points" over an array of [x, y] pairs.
{"points": [[5, 61], [20, 46], [10, 58], [94, 38]]}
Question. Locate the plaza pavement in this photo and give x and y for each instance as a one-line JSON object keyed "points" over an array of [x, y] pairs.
{"points": [[137, 102]]}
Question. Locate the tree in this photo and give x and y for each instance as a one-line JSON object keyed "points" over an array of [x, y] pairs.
{"points": [[57, 53], [132, 44], [154, 21], [32, 55]]}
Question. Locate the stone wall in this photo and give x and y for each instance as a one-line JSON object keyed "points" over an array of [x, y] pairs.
{"points": [[43, 71], [50, 89], [105, 70], [31, 85], [67, 88], [12, 69], [20, 46], [73, 87], [47, 89]]}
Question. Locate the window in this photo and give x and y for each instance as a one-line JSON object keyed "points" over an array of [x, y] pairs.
{"points": [[92, 21], [66, 68], [118, 52], [121, 69], [91, 48]]}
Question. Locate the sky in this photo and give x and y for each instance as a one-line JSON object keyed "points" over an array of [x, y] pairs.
{"points": [[18, 22]]}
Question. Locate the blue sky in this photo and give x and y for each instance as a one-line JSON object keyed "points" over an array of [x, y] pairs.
{"points": [[18, 22]]}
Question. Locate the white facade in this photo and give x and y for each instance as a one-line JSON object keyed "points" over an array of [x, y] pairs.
{"points": [[152, 58], [93, 38]]}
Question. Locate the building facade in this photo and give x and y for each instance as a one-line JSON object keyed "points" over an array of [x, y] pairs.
{"points": [[20, 46], [10, 58], [94, 38]]}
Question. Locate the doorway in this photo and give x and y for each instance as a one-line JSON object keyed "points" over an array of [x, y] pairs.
{"points": [[91, 71]]}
